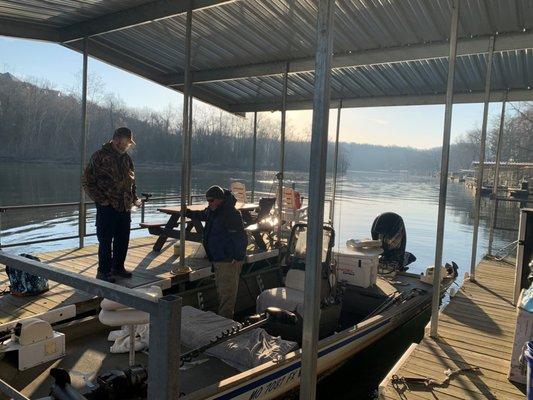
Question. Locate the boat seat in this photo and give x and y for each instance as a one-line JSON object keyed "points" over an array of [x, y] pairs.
{"points": [[116, 314], [290, 297]]}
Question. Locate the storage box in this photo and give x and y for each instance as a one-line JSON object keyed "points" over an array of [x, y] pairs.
{"points": [[523, 334], [358, 268]]}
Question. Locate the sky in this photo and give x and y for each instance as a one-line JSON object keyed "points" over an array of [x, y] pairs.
{"points": [[413, 126]]}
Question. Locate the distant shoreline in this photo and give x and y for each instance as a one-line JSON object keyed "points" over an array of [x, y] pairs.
{"points": [[205, 166]]}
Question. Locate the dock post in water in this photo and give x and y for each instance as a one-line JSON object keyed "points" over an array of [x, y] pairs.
{"points": [[317, 183], [435, 302], [185, 136], [479, 183], [82, 215], [497, 175]]}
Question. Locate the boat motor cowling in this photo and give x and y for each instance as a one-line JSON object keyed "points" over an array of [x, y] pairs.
{"points": [[389, 228]]}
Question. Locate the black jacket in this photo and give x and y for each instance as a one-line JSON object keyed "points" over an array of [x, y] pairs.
{"points": [[224, 238]]}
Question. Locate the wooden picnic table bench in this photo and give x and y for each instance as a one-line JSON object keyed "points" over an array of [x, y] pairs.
{"points": [[165, 230]]}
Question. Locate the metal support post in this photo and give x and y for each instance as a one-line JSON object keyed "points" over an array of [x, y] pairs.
{"points": [[254, 154], [435, 302], [282, 148], [317, 183], [164, 356], [185, 155], [497, 175], [82, 215], [335, 166], [479, 183], [189, 169]]}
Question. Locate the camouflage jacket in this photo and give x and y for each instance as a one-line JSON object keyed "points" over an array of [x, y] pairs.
{"points": [[109, 178]]}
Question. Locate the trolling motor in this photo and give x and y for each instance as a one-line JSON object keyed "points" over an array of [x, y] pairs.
{"points": [[271, 315]]}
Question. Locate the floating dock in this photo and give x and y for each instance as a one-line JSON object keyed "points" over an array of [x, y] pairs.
{"points": [[476, 333], [148, 268]]}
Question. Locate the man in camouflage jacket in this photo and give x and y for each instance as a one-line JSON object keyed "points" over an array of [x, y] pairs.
{"points": [[109, 180]]}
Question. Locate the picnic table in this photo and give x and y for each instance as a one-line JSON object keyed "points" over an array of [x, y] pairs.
{"points": [[165, 230]]}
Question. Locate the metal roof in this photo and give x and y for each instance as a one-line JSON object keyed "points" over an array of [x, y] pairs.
{"points": [[386, 52]]}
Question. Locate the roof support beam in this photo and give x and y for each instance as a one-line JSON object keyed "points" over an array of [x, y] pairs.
{"points": [[505, 42], [27, 31], [134, 16], [479, 180], [387, 101], [441, 216], [126, 62], [317, 191]]}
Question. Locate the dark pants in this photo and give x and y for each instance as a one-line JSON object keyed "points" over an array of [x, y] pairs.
{"points": [[113, 232]]}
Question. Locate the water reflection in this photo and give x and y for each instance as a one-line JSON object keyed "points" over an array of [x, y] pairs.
{"points": [[361, 197]]}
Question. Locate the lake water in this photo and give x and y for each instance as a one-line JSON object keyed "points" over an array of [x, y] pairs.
{"points": [[361, 197]]}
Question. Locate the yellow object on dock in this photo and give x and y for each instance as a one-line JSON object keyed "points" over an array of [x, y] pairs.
{"points": [[476, 333]]}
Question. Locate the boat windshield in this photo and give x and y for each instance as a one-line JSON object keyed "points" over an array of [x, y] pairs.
{"points": [[298, 248]]}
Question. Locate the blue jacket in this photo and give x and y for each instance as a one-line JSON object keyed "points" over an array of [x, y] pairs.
{"points": [[224, 238]]}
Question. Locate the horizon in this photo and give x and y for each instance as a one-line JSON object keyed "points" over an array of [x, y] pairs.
{"points": [[417, 127]]}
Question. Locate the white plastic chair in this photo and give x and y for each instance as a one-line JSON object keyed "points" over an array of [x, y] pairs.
{"points": [[239, 191]]}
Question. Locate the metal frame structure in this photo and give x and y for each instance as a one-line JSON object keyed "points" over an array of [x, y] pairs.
{"points": [[163, 376], [282, 149], [494, 215], [254, 156], [435, 303], [185, 137], [385, 62], [335, 165], [83, 147], [479, 183], [317, 183]]}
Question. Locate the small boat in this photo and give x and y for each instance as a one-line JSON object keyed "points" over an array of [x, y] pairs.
{"points": [[366, 293]]}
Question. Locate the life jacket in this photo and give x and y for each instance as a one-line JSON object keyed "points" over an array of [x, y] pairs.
{"points": [[297, 200]]}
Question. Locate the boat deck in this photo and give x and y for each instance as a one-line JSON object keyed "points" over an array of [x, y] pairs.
{"points": [[476, 329], [148, 267]]}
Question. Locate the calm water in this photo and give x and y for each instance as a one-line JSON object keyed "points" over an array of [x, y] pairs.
{"points": [[362, 196]]}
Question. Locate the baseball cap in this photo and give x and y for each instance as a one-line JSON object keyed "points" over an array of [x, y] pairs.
{"points": [[125, 133]]}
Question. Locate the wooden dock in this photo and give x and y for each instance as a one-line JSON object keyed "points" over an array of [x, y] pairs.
{"points": [[476, 330], [148, 267]]}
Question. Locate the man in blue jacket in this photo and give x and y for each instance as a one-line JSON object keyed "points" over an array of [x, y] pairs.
{"points": [[225, 243]]}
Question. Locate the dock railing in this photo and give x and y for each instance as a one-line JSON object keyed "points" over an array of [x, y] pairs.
{"points": [[165, 317], [72, 205], [63, 206], [494, 219]]}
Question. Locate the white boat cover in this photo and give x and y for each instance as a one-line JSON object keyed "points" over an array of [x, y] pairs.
{"points": [[243, 352]]}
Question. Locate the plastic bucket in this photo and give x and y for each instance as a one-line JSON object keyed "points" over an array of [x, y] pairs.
{"points": [[528, 357]]}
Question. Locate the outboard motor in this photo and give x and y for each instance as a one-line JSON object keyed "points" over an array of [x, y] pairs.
{"points": [[390, 229]]}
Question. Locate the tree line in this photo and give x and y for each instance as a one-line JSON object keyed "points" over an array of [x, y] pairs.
{"points": [[39, 123]]}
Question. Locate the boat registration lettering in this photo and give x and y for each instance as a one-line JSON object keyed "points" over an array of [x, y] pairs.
{"points": [[271, 386]]}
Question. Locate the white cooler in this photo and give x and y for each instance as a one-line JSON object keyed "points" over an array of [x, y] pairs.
{"points": [[358, 267]]}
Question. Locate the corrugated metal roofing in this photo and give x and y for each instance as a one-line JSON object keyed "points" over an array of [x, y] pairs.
{"points": [[61, 13], [253, 32], [512, 70]]}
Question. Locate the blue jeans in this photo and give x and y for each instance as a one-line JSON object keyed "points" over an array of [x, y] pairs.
{"points": [[113, 233]]}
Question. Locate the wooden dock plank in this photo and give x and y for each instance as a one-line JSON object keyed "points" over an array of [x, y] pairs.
{"points": [[476, 329], [147, 267]]}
